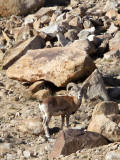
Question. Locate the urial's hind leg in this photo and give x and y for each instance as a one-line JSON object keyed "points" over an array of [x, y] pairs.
{"points": [[46, 128], [63, 119], [67, 120]]}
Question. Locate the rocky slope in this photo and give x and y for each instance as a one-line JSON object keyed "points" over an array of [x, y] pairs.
{"points": [[41, 51]]}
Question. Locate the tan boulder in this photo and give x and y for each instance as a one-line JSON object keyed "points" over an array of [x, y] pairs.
{"points": [[17, 52], [41, 94], [114, 43], [85, 46], [106, 120], [111, 13], [106, 108], [57, 65], [45, 11], [37, 86], [20, 7], [71, 140], [105, 126], [76, 23]]}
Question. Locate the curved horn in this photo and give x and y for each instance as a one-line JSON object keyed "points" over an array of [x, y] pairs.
{"points": [[73, 86]]}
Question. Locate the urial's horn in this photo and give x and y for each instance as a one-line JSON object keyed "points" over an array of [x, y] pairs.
{"points": [[72, 86]]}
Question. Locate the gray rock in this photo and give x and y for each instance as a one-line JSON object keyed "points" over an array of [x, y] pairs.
{"points": [[97, 86], [111, 4], [52, 30], [58, 26], [86, 32], [62, 40]]}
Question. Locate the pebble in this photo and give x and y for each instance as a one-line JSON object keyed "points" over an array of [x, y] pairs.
{"points": [[26, 154]]}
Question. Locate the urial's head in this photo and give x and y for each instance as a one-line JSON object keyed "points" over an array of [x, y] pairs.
{"points": [[79, 93]]}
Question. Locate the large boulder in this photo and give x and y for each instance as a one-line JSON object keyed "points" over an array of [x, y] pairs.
{"points": [[106, 127], [106, 120], [97, 86], [20, 7], [71, 140], [57, 65]]}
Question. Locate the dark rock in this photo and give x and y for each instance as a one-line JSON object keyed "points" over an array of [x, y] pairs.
{"points": [[71, 140]]}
